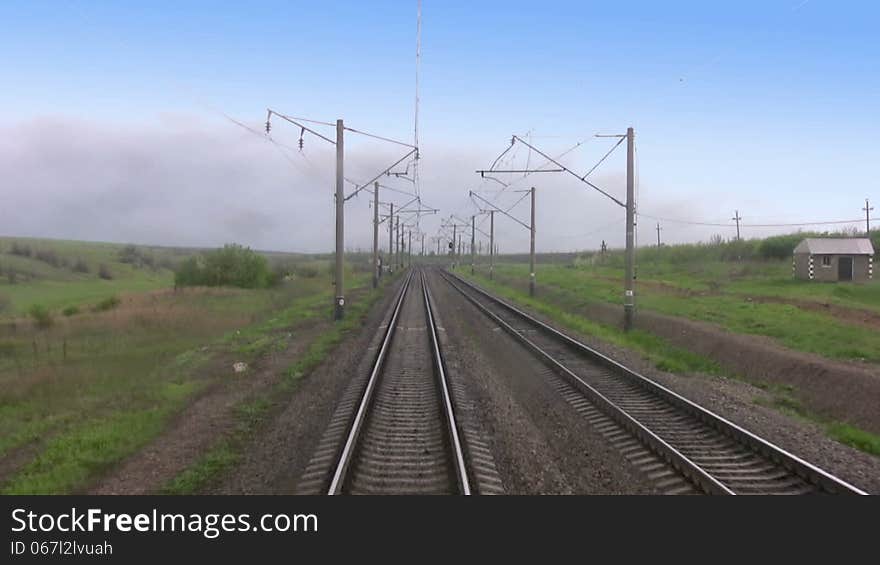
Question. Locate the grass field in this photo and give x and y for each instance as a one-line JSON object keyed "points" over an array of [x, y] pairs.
{"points": [[754, 297], [89, 388]]}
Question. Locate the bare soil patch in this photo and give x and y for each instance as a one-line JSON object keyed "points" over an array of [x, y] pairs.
{"points": [[208, 416], [281, 449], [859, 317]]}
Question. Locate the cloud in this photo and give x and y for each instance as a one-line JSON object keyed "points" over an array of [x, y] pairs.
{"points": [[188, 182]]}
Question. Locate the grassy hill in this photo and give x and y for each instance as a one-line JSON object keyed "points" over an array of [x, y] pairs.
{"points": [[59, 273]]}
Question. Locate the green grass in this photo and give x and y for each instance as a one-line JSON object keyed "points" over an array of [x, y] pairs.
{"points": [[662, 354], [671, 359], [783, 399], [854, 437], [251, 414], [102, 381], [71, 458], [791, 326]]}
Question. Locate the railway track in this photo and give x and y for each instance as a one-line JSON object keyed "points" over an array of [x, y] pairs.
{"points": [[713, 454], [404, 438]]}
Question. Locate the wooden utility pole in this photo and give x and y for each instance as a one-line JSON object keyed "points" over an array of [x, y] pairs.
{"points": [[376, 271], [629, 293], [491, 244], [867, 210], [532, 248], [339, 310], [658, 234], [737, 217], [473, 244]]}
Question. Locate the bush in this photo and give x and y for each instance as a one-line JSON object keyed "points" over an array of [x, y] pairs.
{"points": [[42, 316], [104, 272], [48, 256], [233, 265], [307, 271], [5, 304], [20, 249], [81, 266], [780, 246], [133, 256], [70, 311], [108, 303]]}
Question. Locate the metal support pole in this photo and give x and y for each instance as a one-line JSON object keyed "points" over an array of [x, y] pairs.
{"points": [[397, 241], [391, 240], [454, 227], [491, 244], [339, 310], [423, 245], [867, 210], [473, 245], [532, 249], [409, 249], [629, 297], [376, 271]]}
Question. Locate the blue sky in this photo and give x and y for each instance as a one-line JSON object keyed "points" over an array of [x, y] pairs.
{"points": [[769, 107]]}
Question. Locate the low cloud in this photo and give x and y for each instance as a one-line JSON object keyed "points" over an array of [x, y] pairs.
{"points": [[192, 183]]}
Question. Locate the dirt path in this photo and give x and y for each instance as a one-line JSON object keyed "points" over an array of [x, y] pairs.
{"points": [[864, 317], [281, 449], [209, 416]]}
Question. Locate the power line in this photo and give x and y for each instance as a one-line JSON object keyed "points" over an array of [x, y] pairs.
{"points": [[728, 225]]}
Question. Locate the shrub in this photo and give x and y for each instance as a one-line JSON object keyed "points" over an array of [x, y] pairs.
{"points": [[11, 276], [42, 316], [20, 249], [70, 311], [48, 256], [133, 256], [104, 272], [81, 266], [233, 265], [108, 303], [5, 304], [129, 254], [307, 271], [780, 246]]}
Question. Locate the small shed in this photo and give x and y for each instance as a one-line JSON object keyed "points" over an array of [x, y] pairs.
{"points": [[834, 259]]}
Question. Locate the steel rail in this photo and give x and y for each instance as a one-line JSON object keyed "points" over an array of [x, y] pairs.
{"points": [[345, 457], [346, 466], [793, 464], [452, 428]]}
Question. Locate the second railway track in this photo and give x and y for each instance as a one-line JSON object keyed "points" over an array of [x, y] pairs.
{"points": [[712, 453], [404, 437]]}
